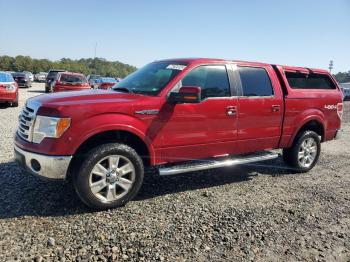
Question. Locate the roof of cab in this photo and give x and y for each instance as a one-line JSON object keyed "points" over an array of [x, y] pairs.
{"points": [[213, 60]]}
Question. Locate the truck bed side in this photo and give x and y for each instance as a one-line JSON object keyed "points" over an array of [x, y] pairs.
{"points": [[314, 107]]}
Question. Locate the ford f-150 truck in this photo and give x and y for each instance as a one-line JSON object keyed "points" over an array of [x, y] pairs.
{"points": [[175, 116]]}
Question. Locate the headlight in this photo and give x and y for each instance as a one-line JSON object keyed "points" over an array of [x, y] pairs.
{"points": [[10, 88], [49, 127]]}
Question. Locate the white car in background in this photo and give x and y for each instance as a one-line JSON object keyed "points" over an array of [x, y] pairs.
{"points": [[345, 87], [40, 77]]}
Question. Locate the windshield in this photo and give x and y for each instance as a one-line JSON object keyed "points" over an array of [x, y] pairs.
{"points": [[5, 78], [152, 78], [72, 78]]}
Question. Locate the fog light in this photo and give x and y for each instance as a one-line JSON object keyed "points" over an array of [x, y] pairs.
{"points": [[35, 165]]}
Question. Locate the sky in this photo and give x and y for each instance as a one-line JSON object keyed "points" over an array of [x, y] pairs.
{"points": [[301, 33]]}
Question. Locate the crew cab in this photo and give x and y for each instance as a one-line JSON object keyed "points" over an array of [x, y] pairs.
{"points": [[66, 81], [8, 89], [175, 116]]}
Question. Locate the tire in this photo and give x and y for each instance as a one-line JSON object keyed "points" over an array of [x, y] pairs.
{"points": [[103, 188], [304, 153], [14, 104], [48, 89]]}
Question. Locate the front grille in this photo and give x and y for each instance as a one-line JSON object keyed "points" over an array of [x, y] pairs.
{"points": [[26, 121]]}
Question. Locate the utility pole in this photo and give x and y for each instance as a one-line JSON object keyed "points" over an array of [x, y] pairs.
{"points": [[330, 67], [95, 58]]}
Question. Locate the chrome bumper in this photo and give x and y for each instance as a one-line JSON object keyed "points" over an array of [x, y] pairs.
{"points": [[338, 134], [52, 167]]}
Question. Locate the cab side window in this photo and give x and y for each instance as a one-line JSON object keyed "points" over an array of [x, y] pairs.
{"points": [[255, 81], [213, 80]]}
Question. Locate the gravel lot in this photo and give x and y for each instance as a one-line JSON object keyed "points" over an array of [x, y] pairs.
{"points": [[256, 212]]}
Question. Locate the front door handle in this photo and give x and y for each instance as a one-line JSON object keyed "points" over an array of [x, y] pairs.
{"points": [[276, 108], [231, 110]]}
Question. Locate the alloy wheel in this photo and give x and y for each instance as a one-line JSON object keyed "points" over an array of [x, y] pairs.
{"points": [[307, 152], [112, 178]]}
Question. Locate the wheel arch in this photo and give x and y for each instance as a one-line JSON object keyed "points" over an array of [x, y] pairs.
{"points": [[125, 136], [134, 140], [312, 123]]}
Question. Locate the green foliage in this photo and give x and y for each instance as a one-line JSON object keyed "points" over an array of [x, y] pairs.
{"points": [[343, 77], [87, 66]]}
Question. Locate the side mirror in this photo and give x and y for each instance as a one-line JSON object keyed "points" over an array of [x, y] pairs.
{"points": [[186, 94]]}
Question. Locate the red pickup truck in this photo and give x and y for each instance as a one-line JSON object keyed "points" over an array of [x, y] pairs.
{"points": [[176, 116]]}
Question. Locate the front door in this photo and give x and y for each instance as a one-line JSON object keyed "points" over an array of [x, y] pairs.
{"points": [[205, 129]]}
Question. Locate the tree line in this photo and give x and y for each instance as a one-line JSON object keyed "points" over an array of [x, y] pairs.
{"points": [[87, 66], [343, 77]]}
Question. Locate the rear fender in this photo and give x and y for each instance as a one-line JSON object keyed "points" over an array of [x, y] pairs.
{"points": [[305, 117]]}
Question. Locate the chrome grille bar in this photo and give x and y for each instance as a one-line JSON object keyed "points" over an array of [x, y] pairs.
{"points": [[26, 120]]}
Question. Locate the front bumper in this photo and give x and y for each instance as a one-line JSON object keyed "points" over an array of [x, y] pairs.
{"points": [[52, 167]]}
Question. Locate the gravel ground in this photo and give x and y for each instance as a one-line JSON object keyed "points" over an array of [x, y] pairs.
{"points": [[254, 212]]}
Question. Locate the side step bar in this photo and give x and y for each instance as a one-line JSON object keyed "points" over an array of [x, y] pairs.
{"points": [[216, 163]]}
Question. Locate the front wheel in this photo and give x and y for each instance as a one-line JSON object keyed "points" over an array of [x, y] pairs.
{"points": [[304, 153], [110, 176]]}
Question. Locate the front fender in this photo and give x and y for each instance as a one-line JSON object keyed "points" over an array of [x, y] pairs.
{"points": [[87, 128]]}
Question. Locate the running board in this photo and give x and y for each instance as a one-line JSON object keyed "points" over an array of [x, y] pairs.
{"points": [[215, 163]]}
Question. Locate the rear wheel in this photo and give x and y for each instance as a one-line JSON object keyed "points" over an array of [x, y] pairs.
{"points": [[304, 153], [110, 176]]}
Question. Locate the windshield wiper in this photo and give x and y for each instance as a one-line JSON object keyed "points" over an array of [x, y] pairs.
{"points": [[122, 89]]}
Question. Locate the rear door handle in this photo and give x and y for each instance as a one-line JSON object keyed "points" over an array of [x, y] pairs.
{"points": [[231, 110], [276, 108]]}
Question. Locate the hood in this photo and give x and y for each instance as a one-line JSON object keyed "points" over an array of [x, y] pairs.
{"points": [[86, 103], [93, 96]]}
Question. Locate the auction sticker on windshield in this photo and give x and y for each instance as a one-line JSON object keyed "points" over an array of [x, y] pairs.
{"points": [[176, 67]]}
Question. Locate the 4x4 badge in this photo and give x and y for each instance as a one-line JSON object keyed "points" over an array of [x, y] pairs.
{"points": [[147, 112]]}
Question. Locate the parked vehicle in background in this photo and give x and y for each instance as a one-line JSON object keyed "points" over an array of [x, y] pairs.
{"points": [[107, 82], [345, 87], [40, 77], [8, 89], [51, 77], [22, 79], [30, 75], [94, 80], [66, 81], [176, 116]]}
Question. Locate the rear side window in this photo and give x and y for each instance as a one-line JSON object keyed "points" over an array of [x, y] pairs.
{"points": [[309, 81], [212, 79], [255, 81]]}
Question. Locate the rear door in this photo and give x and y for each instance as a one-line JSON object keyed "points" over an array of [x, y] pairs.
{"points": [[260, 108]]}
